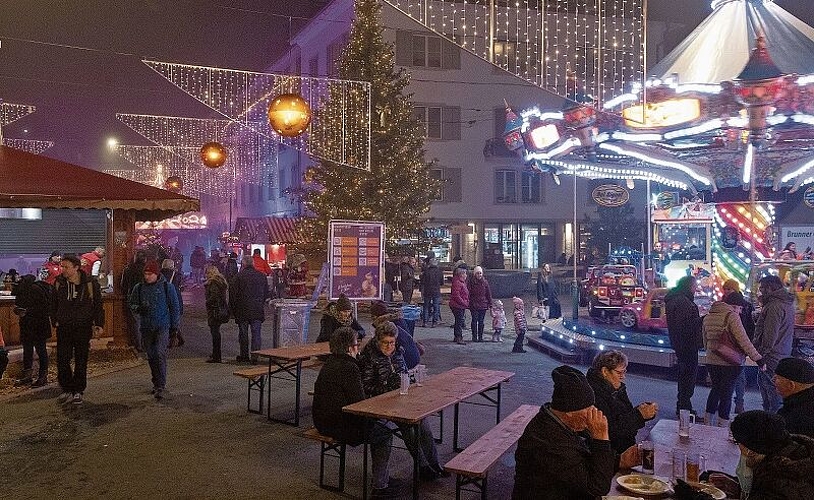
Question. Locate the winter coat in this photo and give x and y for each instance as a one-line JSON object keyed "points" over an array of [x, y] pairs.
{"points": [[217, 296], [407, 273], [328, 324], [431, 280], [498, 318], [197, 260], [380, 373], [157, 304], [774, 331], [723, 318], [247, 295], [519, 319], [77, 304], [787, 474], [53, 269], [736, 299], [176, 279], [554, 462], [683, 324], [406, 345], [261, 265], [459, 295], [132, 274], [798, 411], [89, 261], [480, 296], [34, 324], [545, 288], [339, 384], [624, 421]]}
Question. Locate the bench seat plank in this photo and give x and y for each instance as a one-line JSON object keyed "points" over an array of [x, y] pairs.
{"points": [[252, 372]]}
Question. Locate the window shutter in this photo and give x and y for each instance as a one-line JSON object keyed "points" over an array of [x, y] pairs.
{"points": [[404, 48], [500, 121], [500, 188], [75, 231], [453, 190], [451, 117], [451, 55]]}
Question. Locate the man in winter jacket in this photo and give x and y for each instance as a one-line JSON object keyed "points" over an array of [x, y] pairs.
{"points": [[774, 333], [133, 274], [794, 379], [248, 291], [77, 313], [156, 302], [338, 314], [565, 451], [92, 262], [431, 280], [260, 263], [684, 328]]}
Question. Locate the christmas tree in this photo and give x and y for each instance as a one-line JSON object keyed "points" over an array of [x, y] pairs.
{"points": [[398, 189]]}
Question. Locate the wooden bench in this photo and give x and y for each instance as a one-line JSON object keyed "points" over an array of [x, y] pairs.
{"points": [[256, 375], [330, 447], [471, 465]]}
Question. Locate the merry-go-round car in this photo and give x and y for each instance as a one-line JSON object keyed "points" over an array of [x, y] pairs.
{"points": [[649, 314]]}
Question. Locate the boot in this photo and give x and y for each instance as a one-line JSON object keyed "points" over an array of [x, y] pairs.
{"points": [[709, 419], [723, 422], [42, 380], [494, 337], [459, 341], [26, 379]]}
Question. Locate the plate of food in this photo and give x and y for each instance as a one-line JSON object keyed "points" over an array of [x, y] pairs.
{"points": [[643, 485], [709, 489]]}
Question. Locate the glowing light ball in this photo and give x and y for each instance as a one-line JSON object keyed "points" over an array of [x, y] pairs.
{"points": [[213, 154], [174, 184], [289, 115]]}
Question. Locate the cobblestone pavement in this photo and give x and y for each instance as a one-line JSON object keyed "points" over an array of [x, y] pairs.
{"points": [[201, 443]]}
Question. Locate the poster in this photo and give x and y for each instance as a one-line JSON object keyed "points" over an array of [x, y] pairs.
{"points": [[356, 253], [801, 236]]}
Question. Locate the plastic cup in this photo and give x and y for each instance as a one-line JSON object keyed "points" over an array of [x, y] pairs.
{"points": [[679, 461], [405, 384], [696, 462]]}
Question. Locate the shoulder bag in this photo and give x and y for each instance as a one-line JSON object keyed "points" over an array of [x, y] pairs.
{"points": [[727, 349]]}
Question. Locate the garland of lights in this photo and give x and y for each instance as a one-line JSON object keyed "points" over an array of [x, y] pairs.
{"points": [[751, 222], [12, 112], [28, 145], [244, 98]]}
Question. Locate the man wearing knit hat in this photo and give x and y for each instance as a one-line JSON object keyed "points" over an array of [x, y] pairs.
{"points": [[565, 451], [794, 379], [774, 463]]}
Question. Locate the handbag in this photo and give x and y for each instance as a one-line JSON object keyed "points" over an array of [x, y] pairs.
{"points": [[727, 349]]}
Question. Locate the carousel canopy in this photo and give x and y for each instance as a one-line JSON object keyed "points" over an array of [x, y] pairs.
{"points": [[718, 49]]}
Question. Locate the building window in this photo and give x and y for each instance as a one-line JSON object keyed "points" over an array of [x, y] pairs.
{"points": [[438, 174], [505, 186], [440, 122], [531, 187], [313, 66], [426, 51]]}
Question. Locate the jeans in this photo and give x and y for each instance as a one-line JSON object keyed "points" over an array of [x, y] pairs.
{"points": [[214, 330], [518, 342], [431, 310], [423, 444], [740, 387], [771, 399], [157, 349], [477, 324], [723, 383], [381, 442], [243, 336], [458, 327], [73, 341], [687, 374], [42, 355]]}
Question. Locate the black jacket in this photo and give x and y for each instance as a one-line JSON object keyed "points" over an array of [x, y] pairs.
{"points": [[247, 294], [84, 309], [431, 280], [339, 384], [683, 324], [787, 474], [328, 324], [624, 421], [380, 373], [554, 462], [217, 293], [798, 411], [34, 297]]}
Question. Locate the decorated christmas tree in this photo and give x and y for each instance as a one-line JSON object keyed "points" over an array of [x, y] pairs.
{"points": [[398, 189]]}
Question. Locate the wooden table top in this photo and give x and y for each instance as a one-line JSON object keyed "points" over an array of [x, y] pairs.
{"points": [[295, 352], [437, 392]]}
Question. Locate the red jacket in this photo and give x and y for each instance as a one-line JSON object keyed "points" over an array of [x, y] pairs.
{"points": [[88, 259], [459, 297], [261, 265], [480, 296], [53, 269]]}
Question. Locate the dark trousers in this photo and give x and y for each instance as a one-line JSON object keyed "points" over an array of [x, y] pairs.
{"points": [[407, 292], [477, 324], [42, 355], [687, 373], [214, 330], [723, 383], [73, 341], [458, 327]]}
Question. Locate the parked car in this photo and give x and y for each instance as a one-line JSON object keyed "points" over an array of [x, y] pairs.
{"points": [[611, 287]]}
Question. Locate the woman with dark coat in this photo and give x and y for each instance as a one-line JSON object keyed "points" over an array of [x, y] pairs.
{"points": [[606, 376], [547, 293], [32, 305], [217, 304], [480, 300], [338, 314]]}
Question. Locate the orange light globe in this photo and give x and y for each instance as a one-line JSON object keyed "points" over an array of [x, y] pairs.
{"points": [[213, 154], [289, 115]]}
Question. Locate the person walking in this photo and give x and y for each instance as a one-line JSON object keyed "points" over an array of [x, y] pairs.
{"points": [[248, 292], [407, 279], [156, 302], [520, 325], [77, 313], [197, 261], [459, 303], [217, 308], [547, 294], [727, 346], [32, 304], [498, 320], [176, 279], [480, 300], [132, 275], [431, 280], [733, 296], [684, 329], [774, 333]]}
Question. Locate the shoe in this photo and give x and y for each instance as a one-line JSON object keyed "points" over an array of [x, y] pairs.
{"points": [[77, 399], [23, 381], [433, 324], [42, 381], [519, 350], [440, 470], [242, 359], [427, 473], [65, 397], [459, 341], [394, 489], [500, 339], [159, 394], [213, 360], [423, 324]]}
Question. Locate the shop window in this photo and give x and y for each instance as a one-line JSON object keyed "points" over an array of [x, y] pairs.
{"points": [[505, 186]]}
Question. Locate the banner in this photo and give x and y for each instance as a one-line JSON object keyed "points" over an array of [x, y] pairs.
{"points": [[356, 250]]}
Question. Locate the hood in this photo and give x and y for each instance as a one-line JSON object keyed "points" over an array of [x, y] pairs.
{"points": [[778, 295], [720, 307]]}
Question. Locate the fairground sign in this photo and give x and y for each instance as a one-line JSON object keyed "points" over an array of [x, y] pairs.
{"points": [[610, 195]]}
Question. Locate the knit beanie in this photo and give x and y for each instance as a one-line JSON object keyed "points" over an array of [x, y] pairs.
{"points": [[343, 304], [796, 370], [572, 392], [518, 302], [151, 267], [378, 308], [760, 431]]}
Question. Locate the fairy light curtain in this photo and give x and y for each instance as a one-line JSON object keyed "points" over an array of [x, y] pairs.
{"points": [[244, 97], [156, 163], [10, 112], [28, 145], [576, 48]]}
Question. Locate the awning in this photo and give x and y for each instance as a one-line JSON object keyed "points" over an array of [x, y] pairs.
{"points": [[269, 229], [36, 181]]}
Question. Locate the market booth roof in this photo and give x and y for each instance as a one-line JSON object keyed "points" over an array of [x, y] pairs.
{"points": [[35, 181], [268, 229]]}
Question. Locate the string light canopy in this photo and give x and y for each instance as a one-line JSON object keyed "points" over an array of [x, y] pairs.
{"points": [[29, 145], [245, 98], [9, 113]]}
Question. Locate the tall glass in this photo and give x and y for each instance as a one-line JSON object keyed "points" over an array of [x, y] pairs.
{"points": [[648, 454]]}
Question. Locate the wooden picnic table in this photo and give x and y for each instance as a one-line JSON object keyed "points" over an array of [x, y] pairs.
{"points": [[285, 363], [438, 392]]}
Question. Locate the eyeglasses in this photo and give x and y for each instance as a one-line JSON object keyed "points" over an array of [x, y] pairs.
{"points": [[387, 342], [621, 372]]}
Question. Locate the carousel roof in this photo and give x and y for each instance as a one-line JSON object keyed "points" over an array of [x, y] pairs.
{"points": [[724, 40]]}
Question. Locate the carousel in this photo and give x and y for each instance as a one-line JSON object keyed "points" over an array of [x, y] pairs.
{"points": [[723, 127]]}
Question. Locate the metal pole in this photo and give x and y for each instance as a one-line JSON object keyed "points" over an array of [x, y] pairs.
{"points": [[649, 228], [575, 282]]}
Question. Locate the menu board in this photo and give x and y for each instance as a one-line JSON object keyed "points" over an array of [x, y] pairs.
{"points": [[356, 253]]}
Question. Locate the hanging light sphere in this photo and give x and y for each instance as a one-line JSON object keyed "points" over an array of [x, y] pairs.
{"points": [[174, 184], [289, 115], [213, 154]]}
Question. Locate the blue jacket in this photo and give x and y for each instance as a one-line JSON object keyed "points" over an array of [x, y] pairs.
{"points": [[157, 304]]}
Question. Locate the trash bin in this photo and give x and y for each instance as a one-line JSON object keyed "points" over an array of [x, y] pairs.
{"points": [[290, 318]]}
